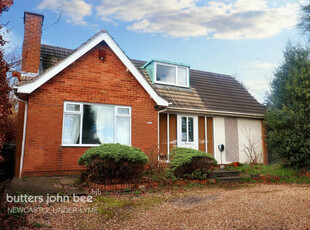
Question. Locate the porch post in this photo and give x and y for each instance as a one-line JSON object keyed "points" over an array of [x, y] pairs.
{"points": [[168, 137], [206, 134]]}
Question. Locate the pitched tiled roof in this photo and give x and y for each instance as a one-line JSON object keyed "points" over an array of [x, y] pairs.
{"points": [[50, 55], [207, 92]]}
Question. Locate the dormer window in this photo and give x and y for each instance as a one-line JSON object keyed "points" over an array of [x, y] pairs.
{"points": [[168, 73], [171, 74]]}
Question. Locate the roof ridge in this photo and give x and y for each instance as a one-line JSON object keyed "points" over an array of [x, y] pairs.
{"points": [[57, 47]]}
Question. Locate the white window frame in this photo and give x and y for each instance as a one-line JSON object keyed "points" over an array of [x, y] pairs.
{"points": [[81, 121], [187, 130], [176, 74]]}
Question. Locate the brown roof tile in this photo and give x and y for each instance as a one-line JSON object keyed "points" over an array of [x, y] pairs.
{"points": [[50, 55], [208, 91]]}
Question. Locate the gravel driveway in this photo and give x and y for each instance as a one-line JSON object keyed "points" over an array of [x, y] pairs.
{"points": [[260, 207]]}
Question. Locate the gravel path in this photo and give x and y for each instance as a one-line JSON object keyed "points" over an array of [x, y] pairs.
{"points": [[259, 207]]}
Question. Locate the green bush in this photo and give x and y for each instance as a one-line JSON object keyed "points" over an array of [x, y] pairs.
{"points": [[191, 163], [113, 163]]}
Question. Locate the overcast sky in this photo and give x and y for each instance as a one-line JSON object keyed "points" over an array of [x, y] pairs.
{"points": [[243, 38]]}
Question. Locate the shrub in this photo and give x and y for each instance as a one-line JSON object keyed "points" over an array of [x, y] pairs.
{"points": [[191, 163], [113, 163]]}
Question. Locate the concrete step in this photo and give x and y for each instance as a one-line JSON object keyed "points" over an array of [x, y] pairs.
{"points": [[223, 173], [229, 179]]}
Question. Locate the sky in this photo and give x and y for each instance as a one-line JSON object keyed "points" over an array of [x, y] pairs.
{"points": [[242, 38]]}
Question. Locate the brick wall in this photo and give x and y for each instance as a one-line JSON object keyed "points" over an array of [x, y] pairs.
{"points": [[32, 42], [87, 80]]}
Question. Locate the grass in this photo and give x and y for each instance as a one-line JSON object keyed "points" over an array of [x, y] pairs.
{"points": [[109, 206], [38, 225], [269, 170], [274, 173]]}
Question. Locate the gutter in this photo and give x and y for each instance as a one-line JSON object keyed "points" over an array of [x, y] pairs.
{"points": [[214, 112], [24, 136], [162, 110]]}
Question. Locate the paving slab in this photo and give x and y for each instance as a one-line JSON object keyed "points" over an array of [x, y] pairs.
{"points": [[43, 185]]}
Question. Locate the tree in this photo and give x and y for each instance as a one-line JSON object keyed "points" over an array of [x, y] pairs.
{"points": [[5, 105], [288, 115], [304, 21]]}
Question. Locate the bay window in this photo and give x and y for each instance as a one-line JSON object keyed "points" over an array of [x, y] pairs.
{"points": [[87, 124]]}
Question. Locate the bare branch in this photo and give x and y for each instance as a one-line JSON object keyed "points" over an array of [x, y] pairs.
{"points": [[49, 26], [250, 149]]}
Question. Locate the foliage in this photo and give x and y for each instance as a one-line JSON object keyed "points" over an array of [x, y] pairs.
{"points": [[113, 163], [117, 152], [288, 115], [5, 105], [304, 22], [273, 173], [164, 176], [271, 170], [192, 162], [196, 175]]}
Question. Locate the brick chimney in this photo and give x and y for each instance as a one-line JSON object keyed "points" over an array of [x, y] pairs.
{"points": [[32, 43]]}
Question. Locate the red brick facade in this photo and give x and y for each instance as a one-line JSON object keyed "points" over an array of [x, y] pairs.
{"points": [[32, 42], [89, 79]]}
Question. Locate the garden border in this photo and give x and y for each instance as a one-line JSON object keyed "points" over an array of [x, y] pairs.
{"points": [[108, 187]]}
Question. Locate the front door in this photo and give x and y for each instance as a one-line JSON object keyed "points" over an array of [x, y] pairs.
{"points": [[188, 131]]}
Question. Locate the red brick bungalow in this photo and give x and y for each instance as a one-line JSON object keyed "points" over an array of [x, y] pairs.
{"points": [[70, 100]]}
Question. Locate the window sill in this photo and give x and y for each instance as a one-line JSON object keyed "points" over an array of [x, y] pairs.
{"points": [[85, 145], [80, 145], [170, 84]]}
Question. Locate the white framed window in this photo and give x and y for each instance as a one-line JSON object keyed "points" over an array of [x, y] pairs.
{"points": [[90, 124], [187, 124], [169, 74]]}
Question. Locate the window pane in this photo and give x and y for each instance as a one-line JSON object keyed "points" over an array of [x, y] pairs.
{"points": [[89, 134], [71, 130], [182, 76], [166, 74], [190, 129], [72, 107], [123, 111], [105, 124], [98, 124], [184, 129], [123, 130]]}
